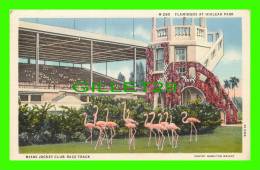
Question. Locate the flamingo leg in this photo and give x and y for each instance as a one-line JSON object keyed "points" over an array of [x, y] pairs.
{"points": [[162, 143], [168, 137], [106, 137], [150, 136], [172, 138], [190, 132], [91, 135], [196, 132], [113, 135], [87, 138], [99, 138], [155, 136], [176, 139], [159, 139], [129, 136], [129, 141], [133, 140]]}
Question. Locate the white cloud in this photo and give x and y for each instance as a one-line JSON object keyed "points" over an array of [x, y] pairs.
{"points": [[232, 55], [142, 33]]}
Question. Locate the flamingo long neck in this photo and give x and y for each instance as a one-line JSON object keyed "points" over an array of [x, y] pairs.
{"points": [[166, 117], [145, 122], [184, 121], [95, 119], [85, 120], [170, 119], [124, 111], [107, 116], [160, 119], [152, 118], [128, 114], [95, 116]]}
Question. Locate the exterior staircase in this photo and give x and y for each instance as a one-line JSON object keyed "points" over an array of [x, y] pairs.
{"points": [[215, 53]]}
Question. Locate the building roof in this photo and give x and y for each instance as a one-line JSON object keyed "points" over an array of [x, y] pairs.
{"points": [[73, 46]]}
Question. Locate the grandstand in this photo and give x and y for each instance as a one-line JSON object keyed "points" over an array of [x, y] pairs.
{"points": [[60, 77], [68, 50]]}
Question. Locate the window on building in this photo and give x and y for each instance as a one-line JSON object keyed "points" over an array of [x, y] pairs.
{"points": [[202, 77], [219, 45], [181, 70], [162, 33], [192, 72], [213, 54], [217, 36], [210, 38], [23, 97], [206, 63], [32, 61], [182, 31], [77, 65], [52, 63], [180, 54], [159, 59], [36, 97], [200, 32], [66, 64], [23, 60]]}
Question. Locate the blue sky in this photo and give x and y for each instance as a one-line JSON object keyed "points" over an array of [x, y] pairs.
{"points": [[230, 65]]}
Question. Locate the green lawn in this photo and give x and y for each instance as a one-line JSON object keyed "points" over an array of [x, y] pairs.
{"points": [[224, 139]]}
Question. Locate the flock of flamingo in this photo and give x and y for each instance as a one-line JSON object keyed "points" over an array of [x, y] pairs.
{"points": [[107, 128]]}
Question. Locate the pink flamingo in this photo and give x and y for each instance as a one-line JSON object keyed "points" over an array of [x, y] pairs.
{"points": [[160, 128], [101, 126], [110, 125], [89, 127], [192, 122], [165, 124], [173, 128], [131, 125], [127, 119], [150, 127]]}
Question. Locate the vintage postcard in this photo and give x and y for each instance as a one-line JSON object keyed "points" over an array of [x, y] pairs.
{"points": [[130, 85]]}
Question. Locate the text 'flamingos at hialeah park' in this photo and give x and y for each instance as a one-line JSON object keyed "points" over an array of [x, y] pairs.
{"points": [[192, 122]]}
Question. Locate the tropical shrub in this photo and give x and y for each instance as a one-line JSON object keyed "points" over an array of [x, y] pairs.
{"points": [[23, 139], [61, 138], [78, 137]]}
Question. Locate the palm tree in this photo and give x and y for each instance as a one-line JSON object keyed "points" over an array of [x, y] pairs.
{"points": [[227, 85], [234, 83], [121, 77]]}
